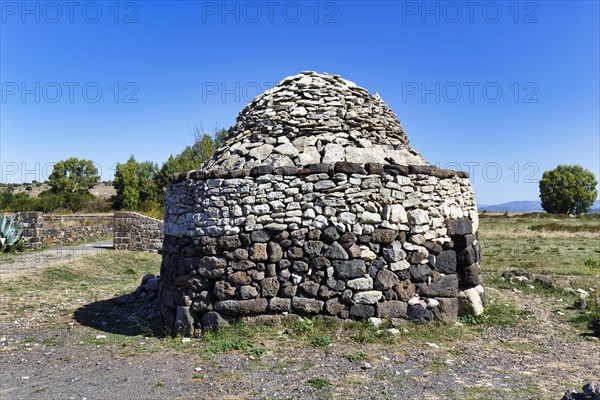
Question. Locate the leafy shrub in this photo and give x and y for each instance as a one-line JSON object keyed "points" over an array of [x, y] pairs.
{"points": [[354, 357], [152, 209], [302, 326], [50, 201], [321, 341], [591, 263], [319, 383]]}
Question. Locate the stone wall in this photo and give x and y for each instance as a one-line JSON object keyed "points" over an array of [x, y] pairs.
{"points": [[343, 239], [137, 232], [33, 235], [131, 231], [67, 229], [54, 229]]}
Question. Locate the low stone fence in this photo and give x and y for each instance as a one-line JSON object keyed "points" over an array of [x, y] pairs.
{"points": [[137, 232], [67, 229], [131, 231], [53, 229]]}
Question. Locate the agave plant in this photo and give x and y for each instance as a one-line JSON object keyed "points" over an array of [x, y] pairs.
{"points": [[11, 233]]}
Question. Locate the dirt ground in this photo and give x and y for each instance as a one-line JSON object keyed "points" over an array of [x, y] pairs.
{"points": [[112, 348]]}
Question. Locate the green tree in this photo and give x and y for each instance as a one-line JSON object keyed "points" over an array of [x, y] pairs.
{"points": [[73, 175], [126, 185], [141, 185], [135, 184], [190, 158], [568, 189]]}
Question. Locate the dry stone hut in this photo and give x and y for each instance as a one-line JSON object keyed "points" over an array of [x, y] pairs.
{"points": [[316, 204]]}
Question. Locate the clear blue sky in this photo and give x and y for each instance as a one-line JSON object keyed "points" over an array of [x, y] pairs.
{"points": [[506, 90]]}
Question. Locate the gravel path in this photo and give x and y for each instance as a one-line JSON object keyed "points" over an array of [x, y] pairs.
{"points": [[16, 263]]}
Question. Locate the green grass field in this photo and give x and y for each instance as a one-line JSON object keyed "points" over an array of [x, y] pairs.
{"points": [[563, 248]]}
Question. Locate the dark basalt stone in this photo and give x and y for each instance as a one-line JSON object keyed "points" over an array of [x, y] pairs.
{"points": [[433, 248], [336, 252], [444, 286], [445, 262], [244, 307], [330, 234], [460, 226], [386, 279], [212, 321], [216, 173], [312, 248], [392, 309], [238, 173], [347, 240], [306, 305], [394, 169], [383, 236], [362, 311], [374, 168], [316, 169], [320, 263], [466, 256], [229, 242], [420, 273], [286, 170], [419, 314], [350, 269], [197, 175], [261, 236], [470, 276], [260, 170], [348, 168], [462, 241]]}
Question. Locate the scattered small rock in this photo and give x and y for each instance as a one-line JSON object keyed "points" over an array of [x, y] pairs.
{"points": [[149, 287], [517, 273], [526, 276], [366, 365], [545, 281], [582, 302]]}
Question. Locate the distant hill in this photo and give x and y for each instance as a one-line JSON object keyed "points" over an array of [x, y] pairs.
{"points": [[524, 206], [102, 190]]}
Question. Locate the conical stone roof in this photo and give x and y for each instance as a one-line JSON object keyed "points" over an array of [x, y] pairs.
{"points": [[315, 118]]}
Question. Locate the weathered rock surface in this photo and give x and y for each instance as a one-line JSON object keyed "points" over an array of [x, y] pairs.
{"points": [[312, 118]]}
